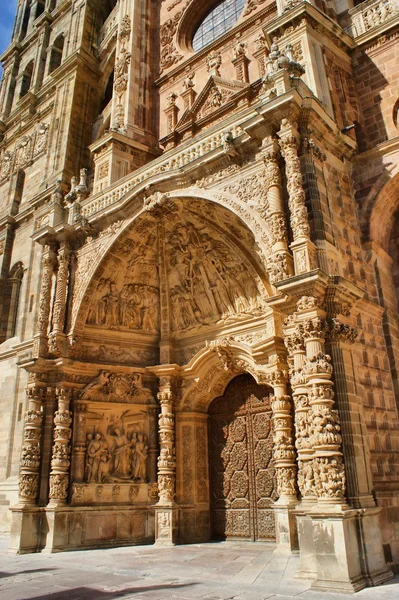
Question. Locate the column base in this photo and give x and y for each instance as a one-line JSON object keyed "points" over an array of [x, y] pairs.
{"points": [[348, 550], [286, 527], [308, 565], [56, 527], [26, 530], [166, 525]]}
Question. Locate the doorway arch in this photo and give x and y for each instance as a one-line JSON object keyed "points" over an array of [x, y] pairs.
{"points": [[241, 473]]}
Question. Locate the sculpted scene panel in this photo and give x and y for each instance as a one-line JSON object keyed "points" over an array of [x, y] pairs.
{"points": [[179, 268]]}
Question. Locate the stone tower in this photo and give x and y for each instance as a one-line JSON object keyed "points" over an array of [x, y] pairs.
{"points": [[199, 278]]}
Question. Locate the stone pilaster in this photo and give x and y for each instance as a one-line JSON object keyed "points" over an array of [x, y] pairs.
{"points": [[166, 511], [41, 340], [152, 445], [57, 336], [79, 442], [303, 249], [241, 64], [171, 112], [60, 462]]}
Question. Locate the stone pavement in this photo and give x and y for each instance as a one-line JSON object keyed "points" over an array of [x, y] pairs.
{"points": [[214, 571]]}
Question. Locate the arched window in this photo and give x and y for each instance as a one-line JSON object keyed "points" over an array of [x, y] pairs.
{"points": [[56, 53], [27, 79], [219, 20], [12, 290], [52, 5]]}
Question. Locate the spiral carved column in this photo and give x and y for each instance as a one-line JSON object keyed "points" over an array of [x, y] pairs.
{"points": [[60, 462], [166, 511]]}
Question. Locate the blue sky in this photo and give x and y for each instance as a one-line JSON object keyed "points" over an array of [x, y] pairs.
{"points": [[7, 13]]}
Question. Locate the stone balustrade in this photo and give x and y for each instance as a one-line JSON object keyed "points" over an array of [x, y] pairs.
{"points": [[186, 155], [109, 27], [371, 14]]}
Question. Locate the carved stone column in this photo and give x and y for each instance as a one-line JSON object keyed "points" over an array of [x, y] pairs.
{"points": [[26, 517], [166, 511], [294, 340], [280, 264], [285, 465], [79, 442], [303, 249], [40, 342], [60, 462], [336, 547], [57, 337], [30, 455], [324, 424]]}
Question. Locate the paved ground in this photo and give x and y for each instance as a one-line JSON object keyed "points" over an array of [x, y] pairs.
{"points": [[218, 571]]}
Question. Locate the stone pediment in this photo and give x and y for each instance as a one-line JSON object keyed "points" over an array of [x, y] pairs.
{"points": [[216, 94]]}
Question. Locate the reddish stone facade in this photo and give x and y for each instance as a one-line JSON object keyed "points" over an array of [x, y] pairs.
{"points": [[200, 201]]}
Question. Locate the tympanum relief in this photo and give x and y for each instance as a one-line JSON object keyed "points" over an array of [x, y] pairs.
{"points": [[208, 279]]}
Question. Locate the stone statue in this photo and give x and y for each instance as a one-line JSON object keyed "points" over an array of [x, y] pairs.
{"points": [[141, 448]]}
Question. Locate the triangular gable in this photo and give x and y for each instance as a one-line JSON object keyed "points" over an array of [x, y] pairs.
{"points": [[215, 94]]}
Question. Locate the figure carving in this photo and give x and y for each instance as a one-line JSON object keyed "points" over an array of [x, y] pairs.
{"points": [[117, 455]]}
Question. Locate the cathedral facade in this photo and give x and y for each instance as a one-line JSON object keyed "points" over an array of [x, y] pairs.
{"points": [[199, 250]]}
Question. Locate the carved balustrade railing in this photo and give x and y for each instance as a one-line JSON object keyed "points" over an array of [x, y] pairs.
{"points": [[110, 27], [372, 14], [177, 160]]}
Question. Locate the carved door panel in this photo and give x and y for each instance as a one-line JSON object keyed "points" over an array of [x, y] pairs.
{"points": [[241, 471]]}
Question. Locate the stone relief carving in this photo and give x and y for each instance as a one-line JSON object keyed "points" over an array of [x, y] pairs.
{"points": [[206, 280], [117, 387], [251, 6], [27, 148], [113, 354], [116, 450], [169, 53]]}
